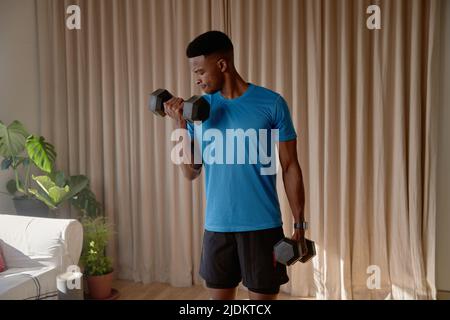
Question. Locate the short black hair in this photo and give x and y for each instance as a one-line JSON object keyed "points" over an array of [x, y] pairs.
{"points": [[208, 43]]}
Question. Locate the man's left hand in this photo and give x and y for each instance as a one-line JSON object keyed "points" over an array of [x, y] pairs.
{"points": [[299, 236]]}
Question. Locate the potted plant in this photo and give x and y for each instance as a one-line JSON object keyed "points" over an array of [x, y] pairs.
{"points": [[13, 141], [97, 266], [21, 152], [48, 190]]}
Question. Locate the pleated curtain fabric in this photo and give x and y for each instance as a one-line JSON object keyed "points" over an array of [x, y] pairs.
{"points": [[363, 102]]}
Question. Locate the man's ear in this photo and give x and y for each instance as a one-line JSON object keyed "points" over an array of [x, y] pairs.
{"points": [[222, 64]]}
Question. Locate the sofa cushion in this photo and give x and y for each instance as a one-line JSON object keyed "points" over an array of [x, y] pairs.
{"points": [[28, 284]]}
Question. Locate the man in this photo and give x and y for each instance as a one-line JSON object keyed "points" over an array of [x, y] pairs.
{"points": [[243, 218]]}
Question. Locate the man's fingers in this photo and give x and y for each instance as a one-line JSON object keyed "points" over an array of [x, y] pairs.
{"points": [[168, 109], [174, 103], [169, 106], [178, 104], [174, 107]]}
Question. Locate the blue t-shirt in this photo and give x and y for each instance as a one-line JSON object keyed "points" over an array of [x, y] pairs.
{"points": [[239, 160]]}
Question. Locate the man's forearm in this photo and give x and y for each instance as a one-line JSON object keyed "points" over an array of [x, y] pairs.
{"points": [[295, 191], [190, 169]]}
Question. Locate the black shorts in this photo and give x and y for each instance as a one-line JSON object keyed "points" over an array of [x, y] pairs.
{"points": [[229, 257]]}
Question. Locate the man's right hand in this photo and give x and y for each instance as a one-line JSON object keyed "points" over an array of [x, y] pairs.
{"points": [[174, 109]]}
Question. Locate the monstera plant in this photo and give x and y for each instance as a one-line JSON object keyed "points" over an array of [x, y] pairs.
{"points": [[21, 152]]}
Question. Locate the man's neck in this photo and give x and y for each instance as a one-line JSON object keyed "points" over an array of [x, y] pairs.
{"points": [[234, 86]]}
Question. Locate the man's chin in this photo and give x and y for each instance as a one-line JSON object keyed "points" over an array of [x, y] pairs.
{"points": [[209, 91]]}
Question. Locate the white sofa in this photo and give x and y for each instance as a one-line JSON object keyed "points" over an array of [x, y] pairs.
{"points": [[36, 250]]}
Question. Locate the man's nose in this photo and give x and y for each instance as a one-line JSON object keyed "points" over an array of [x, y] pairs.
{"points": [[198, 82]]}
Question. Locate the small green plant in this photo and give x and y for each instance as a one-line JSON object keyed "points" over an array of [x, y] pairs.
{"points": [[96, 236]]}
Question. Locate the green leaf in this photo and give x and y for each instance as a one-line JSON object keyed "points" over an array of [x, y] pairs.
{"points": [[19, 160], [11, 186], [43, 197], [6, 163], [26, 161], [41, 153], [12, 139], [57, 194], [76, 185], [44, 182], [86, 202], [60, 179]]}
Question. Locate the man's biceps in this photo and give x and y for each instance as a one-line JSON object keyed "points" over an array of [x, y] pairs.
{"points": [[285, 152], [287, 156]]}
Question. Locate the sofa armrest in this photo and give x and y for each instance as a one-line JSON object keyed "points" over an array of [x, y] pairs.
{"points": [[31, 241]]}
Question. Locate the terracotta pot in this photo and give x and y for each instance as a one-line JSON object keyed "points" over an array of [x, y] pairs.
{"points": [[100, 286]]}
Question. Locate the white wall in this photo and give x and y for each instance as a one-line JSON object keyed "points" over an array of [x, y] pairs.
{"points": [[443, 167], [19, 91]]}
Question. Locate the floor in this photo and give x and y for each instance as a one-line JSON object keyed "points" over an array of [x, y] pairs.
{"points": [[161, 291], [129, 290]]}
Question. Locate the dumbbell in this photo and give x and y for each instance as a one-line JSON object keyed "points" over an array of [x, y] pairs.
{"points": [[288, 251], [195, 108]]}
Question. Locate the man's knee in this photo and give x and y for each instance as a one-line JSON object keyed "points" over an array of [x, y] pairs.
{"points": [[222, 294]]}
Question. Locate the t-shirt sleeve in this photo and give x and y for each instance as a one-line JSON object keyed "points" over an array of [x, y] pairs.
{"points": [[283, 121]]}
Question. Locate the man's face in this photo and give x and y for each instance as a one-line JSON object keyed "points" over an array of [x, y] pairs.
{"points": [[208, 75]]}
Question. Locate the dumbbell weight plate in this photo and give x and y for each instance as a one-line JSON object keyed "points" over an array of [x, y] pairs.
{"points": [[156, 101], [311, 246], [287, 251], [196, 108]]}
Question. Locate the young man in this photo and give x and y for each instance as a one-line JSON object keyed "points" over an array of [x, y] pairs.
{"points": [[243, 218]]}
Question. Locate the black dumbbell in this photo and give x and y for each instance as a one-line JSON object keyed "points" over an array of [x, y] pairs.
{"points": [[195, 108], [288, 251]]}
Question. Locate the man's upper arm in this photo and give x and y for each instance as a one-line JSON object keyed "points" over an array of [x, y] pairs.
{"points": [[288, 153]]}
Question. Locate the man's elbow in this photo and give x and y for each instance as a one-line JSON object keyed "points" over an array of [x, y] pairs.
{"points": [[291, 168], [192, 174]]}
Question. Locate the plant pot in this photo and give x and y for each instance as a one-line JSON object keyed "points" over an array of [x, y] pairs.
{"points": [[100, 286], [30, 207]]}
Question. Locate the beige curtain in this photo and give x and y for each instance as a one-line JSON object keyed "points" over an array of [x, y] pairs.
{"points": [[363, 103]]}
